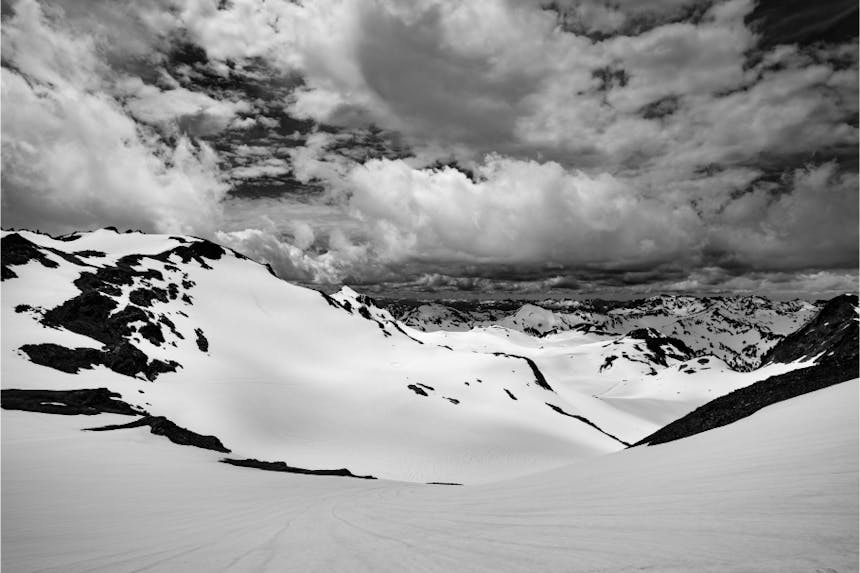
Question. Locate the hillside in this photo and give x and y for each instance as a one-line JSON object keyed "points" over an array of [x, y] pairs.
{"points": [[830, 339], [211, 341]]}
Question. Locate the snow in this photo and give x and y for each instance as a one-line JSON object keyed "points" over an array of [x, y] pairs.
{"points": [[739, 330], [288, 377], [292, 376], [631, 397], [774, 492]]}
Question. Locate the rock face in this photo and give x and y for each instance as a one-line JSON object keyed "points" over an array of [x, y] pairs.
{"points": [[284, 467], [832, 334], [661, 348], [16, 250], [161, 426], [832, 337], [88, 402], [100, 311]]}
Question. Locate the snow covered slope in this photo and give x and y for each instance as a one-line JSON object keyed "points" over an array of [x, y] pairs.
{"points": [[776, 492], [202, 338], [630, 385], [738, 330], [216, 344]]}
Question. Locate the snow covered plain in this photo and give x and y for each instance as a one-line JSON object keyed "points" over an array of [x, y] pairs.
{"points": [[774, 492]]}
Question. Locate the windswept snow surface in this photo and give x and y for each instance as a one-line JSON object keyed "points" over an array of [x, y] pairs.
{"points": [[774, 492]]}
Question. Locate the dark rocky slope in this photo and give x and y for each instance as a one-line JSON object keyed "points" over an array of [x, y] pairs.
{"points": [[832, 335]]}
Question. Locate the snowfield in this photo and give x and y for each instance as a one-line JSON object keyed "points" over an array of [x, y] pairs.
{"points": [[290, 375], [774, 492], [208, 348], [287, 376]]}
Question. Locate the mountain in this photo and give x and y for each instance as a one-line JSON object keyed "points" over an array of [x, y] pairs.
{"points": [[223, 411], [209, 347], [829, 342], [738, 330], [182, 329], [829, 337]]}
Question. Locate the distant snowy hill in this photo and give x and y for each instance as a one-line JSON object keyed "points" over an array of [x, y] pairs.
{"points": [[738, 330]]}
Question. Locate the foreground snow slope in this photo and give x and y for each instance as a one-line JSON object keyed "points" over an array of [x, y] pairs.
{"points": [[285, 373], [774, 492]]}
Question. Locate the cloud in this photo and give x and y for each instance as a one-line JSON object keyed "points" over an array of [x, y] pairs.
{"points": [[518, 212], [812, 223], [199, 113], [442, 145], [73, 159]]}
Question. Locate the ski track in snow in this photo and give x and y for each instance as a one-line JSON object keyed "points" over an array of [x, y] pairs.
{"points": [[774, 492]]}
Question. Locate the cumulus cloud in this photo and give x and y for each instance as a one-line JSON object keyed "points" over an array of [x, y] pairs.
{"points": [[72, 158], [149, 104], [518, 212], [442, 145]]}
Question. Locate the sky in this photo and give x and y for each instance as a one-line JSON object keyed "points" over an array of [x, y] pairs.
{"points": [[443, 149]]}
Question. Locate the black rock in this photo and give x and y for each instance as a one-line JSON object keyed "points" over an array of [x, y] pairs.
{"points": [[832, 333], [540, 380], [16, 250], [586, 421], [86, 402], [69, 360], [161, 426], [284, 467], [417, 390], [202, 342]]}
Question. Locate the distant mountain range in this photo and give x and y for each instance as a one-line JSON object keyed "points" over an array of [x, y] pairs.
{"points": [[738, 329]]}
